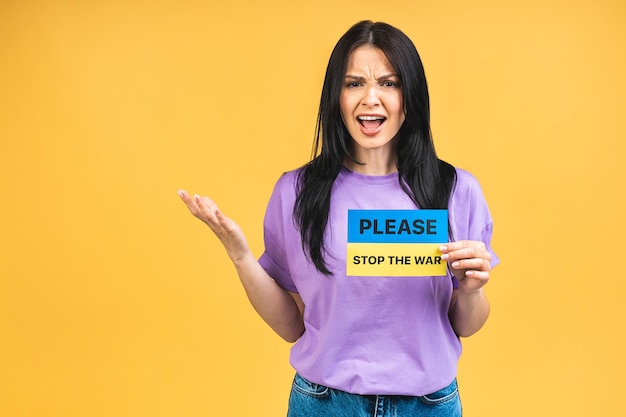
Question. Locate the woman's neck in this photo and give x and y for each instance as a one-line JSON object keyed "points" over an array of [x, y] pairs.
{"points": [[372, 166], [375, 160]]}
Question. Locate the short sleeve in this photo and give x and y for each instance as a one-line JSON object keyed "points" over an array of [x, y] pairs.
{"points": [[277, 227], [470, 218]]}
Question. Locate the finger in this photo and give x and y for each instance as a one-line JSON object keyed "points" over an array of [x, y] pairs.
{"points": [[206, 205], [480, 275], [223, 221], [451, 246], [473, 280], [201, 207], [183, 195], [467, 254], [476, 264], [207, 211], [466, 251], [461, 244], [189, 202]]}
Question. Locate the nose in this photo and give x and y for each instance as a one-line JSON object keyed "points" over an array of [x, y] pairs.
{"points": [[370, 97]]}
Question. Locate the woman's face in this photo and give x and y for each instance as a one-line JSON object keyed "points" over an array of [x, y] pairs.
{"points": [[371, 102]]}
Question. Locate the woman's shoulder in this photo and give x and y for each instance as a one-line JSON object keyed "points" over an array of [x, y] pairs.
{"points": [[287, 184], [288, 178], [465, 180], [467, 187], [468, 195]]}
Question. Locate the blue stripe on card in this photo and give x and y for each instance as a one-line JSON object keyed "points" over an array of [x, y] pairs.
{"points": [[398, 226]]}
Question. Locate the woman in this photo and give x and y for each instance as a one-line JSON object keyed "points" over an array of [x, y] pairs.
{"points": [[366, 346]]}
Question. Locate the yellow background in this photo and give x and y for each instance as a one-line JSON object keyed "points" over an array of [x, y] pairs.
{"points": [[114, 301]]}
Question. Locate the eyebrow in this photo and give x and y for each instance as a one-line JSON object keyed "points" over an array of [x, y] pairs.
{"points": [[383, 77]]}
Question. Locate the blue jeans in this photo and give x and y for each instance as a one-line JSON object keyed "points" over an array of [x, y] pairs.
{"points": [[313, 400]]}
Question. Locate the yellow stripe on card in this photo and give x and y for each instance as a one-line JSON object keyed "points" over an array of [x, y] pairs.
{"points": [[395, 259]]}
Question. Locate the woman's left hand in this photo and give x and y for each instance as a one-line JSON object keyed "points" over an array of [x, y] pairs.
{"points": [[470, 262]]}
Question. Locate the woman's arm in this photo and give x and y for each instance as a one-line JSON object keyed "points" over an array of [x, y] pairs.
{"points": [[471, 264], [282, 310]]}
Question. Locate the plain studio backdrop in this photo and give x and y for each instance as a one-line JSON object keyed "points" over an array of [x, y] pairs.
{"points": [[114, 301]]}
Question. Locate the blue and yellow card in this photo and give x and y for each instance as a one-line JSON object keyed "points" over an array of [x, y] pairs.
{"points": [[396, 242]]}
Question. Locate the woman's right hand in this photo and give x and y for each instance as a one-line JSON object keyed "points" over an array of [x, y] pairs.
{"points": [[227, 231], [281, 309]]}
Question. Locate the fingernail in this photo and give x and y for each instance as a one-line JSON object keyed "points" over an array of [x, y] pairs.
{"points": [[445, 256], [455, 264], [181, 193], [443, 248]]}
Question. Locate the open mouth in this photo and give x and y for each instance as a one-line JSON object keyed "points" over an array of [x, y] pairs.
{"points": [[371, 122]]}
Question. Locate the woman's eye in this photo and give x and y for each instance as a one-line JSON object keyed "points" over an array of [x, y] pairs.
{"points": [[389, 84], [353, 84]]}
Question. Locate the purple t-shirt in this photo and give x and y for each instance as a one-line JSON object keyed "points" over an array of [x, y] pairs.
{"points": [[370, 335]]}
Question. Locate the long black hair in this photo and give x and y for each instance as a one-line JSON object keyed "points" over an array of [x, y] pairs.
{"points": [[426, 179]]}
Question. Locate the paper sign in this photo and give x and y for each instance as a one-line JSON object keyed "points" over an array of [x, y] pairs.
{"points": [[396, 242]]}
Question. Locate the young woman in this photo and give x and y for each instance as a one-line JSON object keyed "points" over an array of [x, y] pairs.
{"points": [[367, 345]]}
